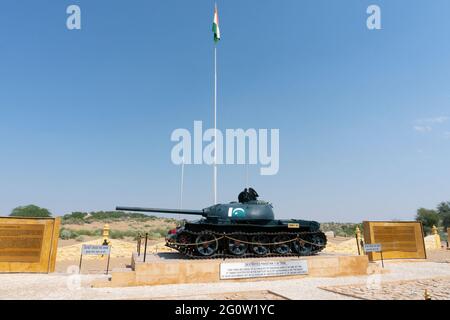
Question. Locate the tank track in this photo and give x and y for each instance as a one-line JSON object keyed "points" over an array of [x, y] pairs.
{"points": [[222, 252]]}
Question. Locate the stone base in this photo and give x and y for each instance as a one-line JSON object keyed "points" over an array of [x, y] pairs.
{"points": [[171, 268]]}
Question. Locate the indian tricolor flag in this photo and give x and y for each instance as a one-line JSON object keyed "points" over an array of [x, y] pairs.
{"points": [[215, 27]]}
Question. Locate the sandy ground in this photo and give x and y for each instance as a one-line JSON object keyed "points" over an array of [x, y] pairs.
{"points": [[74, 286], [124, 225], [121, 251], [69, 252], [437, 288], [65, 283]]}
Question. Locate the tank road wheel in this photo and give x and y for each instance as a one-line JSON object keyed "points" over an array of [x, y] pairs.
{"points": [[303, 248], [282, 248], [206, 244], [237, 245], [260, 245], [183, 238], [319, 242]]}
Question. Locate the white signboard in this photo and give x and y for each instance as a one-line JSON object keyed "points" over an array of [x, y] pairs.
{"points": [[373, 247], [93, 250], [258, 269]]}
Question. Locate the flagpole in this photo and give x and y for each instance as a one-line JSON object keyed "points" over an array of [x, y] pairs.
{"points": [[247, 184], [215, 124], [182, 184], [216, 38]]}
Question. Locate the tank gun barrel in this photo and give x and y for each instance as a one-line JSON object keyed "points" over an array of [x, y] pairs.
{"points": [[159, 210]]}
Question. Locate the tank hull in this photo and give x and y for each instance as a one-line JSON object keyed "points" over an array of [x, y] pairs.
{"points": [[241, 239]]}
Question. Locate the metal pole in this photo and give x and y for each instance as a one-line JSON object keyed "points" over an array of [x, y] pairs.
{"points": [[107, 266], [382, 262], [357, 244], [247, 184], [215, 124], [81, 259], [139, 245], [182, 184], [145, 246]]}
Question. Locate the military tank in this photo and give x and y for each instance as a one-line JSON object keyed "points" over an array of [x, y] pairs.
{"points": [[246, 228]]}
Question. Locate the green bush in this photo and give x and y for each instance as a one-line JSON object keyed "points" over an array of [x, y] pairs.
{"points": [[65, 234], [154, 235], [70, 220], [30, 211], [78, 215], [90, 233], [162, 231], [429, 218], [341, 229], [116, 234]]}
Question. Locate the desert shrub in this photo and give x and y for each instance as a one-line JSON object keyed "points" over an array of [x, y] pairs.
{"points": [[115, 215], [116, 234], [30, 211], [154, 235], [90, 233], [429, 218], [65, 234], [161, 230], [341, 229], [70, 220], [78, 215]]}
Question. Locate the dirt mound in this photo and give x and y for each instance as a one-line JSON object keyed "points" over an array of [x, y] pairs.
{"points": [[347, 247]]}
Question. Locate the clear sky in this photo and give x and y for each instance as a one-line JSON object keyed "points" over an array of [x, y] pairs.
{"points": [[86, 115]]}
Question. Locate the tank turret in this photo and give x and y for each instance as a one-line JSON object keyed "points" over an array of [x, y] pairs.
{"points": [[248, 208], [244, 228], [252, 210]]}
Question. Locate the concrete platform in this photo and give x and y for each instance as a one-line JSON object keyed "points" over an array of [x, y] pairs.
{"points": [[172, 268]]}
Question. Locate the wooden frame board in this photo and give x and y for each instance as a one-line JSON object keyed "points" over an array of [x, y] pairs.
{"points": [[398, 239], [28, 244]]}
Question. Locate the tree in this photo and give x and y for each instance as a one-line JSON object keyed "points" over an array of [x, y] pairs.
{"points": [[429, 218], [30, 211], [444, 211]]}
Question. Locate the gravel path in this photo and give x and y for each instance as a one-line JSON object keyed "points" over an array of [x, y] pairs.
{"points": [[73, 286]]}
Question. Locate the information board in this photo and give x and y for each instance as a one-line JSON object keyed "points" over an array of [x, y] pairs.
{"points": [[374, 247], [94, 250], [259, 269]]}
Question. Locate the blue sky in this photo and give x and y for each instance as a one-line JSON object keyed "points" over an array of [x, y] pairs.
{"points": [[86, 116]]}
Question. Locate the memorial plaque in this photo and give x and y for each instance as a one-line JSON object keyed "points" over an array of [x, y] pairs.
{"points": [[260, 269], [21, 243], [28, 244], [399, 240]]}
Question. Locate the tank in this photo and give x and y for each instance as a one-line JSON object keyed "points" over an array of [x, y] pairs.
{"points": [[246, 228]]}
